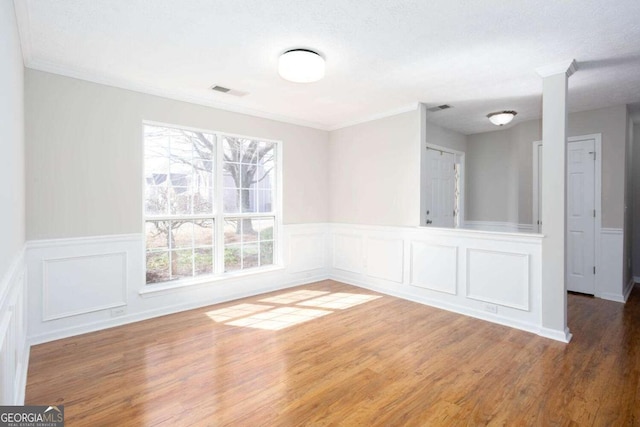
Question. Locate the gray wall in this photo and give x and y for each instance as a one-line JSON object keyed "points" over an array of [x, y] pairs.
{"points": [[12, 186], [488, 189], [628, 199], [435, 134], [375, 172], [84, 156], [635, 199], [507, 155]]}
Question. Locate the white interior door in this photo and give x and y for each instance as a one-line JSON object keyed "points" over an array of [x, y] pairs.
{"points": [[440, 189], [581, 216], [581, 221]]}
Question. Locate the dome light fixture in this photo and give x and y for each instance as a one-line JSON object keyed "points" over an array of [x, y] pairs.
{"points": [[301, 66], [501, 118]]}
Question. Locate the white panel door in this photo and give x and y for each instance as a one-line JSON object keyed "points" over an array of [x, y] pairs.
{"points": [[581, 216], [440, 189]]}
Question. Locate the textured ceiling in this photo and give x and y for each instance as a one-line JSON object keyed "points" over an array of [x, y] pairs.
{"points": [[382, 56]]}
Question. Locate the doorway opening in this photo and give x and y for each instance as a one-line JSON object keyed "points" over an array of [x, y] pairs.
{"points": [[443, 188], [583, 209]]}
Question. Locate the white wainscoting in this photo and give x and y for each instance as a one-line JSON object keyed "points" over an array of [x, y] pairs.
{"points": [[609, 278], [488, 275], [499, 226], [85, 284], [434, 267], [14, 349]]}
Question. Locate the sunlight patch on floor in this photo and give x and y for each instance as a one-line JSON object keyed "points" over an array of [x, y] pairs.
{"points": [[292, 297], [293, 311], [339, 300], [235, 311], [279, 318]]}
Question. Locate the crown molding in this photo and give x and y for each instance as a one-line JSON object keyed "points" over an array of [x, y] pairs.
{"points": [[24, 24], [568, 67], [404, 109], [99, 78], [103, 79]]}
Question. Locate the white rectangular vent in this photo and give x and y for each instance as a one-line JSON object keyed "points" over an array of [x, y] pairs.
{"points": [[439, 108], [228, 91]]}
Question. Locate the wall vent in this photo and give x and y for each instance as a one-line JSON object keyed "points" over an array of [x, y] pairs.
{"points": [[439, 108]]}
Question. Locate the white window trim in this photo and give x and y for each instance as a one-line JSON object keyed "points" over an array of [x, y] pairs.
{"points": [[218, 216]]}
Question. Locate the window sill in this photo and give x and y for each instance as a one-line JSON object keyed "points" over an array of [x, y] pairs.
{"points": [[169, 287]]}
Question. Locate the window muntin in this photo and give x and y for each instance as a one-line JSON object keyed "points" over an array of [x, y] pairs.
{"points": [[182, 223]]}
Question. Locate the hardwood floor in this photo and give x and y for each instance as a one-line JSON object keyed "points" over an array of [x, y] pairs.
{"points": [[385, 361]]}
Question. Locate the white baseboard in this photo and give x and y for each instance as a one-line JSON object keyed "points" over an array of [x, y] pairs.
{"points": [[629, 288], [68, 275], [466, 311], [161, 311], [556, 335]]}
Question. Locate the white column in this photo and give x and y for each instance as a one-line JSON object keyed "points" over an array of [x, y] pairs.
{"points": [[554, 194]]}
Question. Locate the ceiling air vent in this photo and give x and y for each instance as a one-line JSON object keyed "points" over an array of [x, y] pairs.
{"points": [[439, 108], [228, 91], [221, 89]]}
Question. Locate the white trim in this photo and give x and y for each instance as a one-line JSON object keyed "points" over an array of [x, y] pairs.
{"points": [[454, 308], [218, 215], [413, 281], [15, 267], [567, 67], [459, 158], [556, 335], [629, 288], [144, 88], [91, 240], [437, 231], [389, 113], [13, 329], [21, 376], [177, 285], [142, 301], [162, 311], [598, 229], [535, 204], [613, 297], [47, 316], [500, 226], [23, 21], [526, 306], [611, 231]]}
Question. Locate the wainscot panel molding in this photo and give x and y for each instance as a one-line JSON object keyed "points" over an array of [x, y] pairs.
{"points": [[86, 284], [495, 276], [609, 278], [14, 348], [501, 226], [434, 267], [385, 258]]}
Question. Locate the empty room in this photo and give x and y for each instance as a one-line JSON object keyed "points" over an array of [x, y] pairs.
{"points": [[355, 213]]}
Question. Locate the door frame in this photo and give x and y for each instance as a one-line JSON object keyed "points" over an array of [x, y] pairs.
{"points": [[597, 137], [458, 160]]}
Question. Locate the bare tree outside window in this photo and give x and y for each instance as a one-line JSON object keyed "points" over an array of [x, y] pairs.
{"points": [[180, 202]]}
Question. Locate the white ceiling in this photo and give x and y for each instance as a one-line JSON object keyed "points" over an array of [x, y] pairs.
{"points": [[383, 56]]}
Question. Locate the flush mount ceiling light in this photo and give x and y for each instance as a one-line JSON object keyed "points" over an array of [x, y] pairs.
{"points": [[301, 66], [501, 118]]}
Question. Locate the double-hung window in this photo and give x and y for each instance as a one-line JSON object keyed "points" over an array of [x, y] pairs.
{"points": [[211, 204]]}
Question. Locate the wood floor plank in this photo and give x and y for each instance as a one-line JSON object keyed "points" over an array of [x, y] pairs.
{"points": [[383, 362]]}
